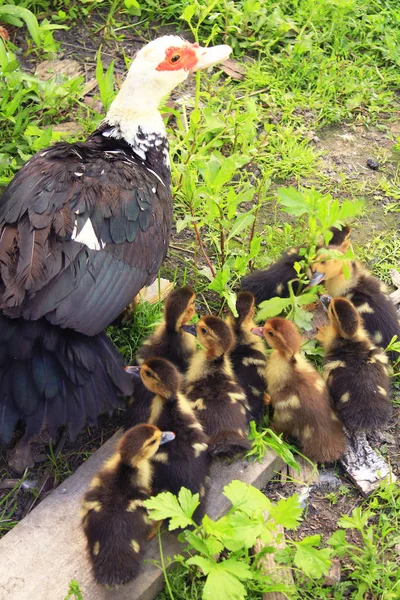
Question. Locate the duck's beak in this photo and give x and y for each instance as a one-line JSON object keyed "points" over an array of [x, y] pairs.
{"points": [[167, 436], [190, 329], [207, 57], [258, 331], [317, 277], [325, 301]]}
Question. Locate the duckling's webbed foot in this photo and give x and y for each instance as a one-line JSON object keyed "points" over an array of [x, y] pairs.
{"points": [[362, 464]]}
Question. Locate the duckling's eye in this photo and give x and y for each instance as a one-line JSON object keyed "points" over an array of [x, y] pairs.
{"points": [[175, 57], [152, 442], [147, 373], [270, 333], [203, 330]]}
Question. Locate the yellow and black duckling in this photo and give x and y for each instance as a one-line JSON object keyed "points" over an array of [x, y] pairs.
{"points": [[356, 370], [268, 283], [114, 519], [171, 340], [186, 462], [248, 357], [212, 388], [299, 395], [369, 295]]}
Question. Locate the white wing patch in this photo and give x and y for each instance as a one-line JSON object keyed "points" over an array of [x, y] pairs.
{"points": [[87, 236]]}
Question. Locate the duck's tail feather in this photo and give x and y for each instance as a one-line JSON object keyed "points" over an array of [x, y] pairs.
{"points": [[53, 376]]}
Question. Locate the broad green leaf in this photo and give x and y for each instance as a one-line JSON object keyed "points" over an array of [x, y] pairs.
{"points": [[241, 223], [188, 501], [312, 561], [205, 564], [240, 569], [293, 201], [307, 298], [196, 542], [166, 506], [221, 585], [18, 12], [357, 520], [272, 308], [188, 13], [246, 530], [287, 512], [230, 297], [302, 318], [246, 497], [338, 540]]}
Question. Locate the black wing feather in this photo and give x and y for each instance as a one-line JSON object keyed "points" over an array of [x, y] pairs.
{"points": [[44, 272]]}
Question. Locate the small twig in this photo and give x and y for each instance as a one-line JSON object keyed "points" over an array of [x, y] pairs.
{"points": [[253, 93], [196, 229], [175, 247]]}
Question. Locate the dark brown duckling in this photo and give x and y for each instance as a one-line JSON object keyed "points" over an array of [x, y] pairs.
{"points": [[186, 462], [268, 283], [172, 341], [212, 388], [356, 370], [114, 520], [248, 357], [299, 395], [369, 295]]}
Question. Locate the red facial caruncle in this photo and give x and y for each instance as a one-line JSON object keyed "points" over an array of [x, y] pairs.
{"points": [[177, 58]]}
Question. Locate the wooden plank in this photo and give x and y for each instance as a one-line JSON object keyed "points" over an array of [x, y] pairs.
{"points": [[43, 553]]}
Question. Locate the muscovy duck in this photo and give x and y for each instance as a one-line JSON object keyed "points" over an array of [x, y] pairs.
{"points": [[83, 227]]}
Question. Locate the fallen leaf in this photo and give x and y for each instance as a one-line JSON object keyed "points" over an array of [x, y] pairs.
{"points": [[233, 68], [51, 68]]}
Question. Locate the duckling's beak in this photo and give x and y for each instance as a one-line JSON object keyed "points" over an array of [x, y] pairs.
{"points": [[167, 436], [317, 278], [134, 370], [258, 331], [325, 301], [190, 329]]}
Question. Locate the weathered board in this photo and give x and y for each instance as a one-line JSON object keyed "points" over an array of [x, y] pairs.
{"points": [[43, 553]]}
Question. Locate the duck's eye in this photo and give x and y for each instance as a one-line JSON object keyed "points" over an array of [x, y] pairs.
{"points": [[147, 373], [270, 333], [175, 57], [203, 330], [152, 442]]}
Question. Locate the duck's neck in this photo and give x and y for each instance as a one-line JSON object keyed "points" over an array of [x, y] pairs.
{"points": [[134, 117]]}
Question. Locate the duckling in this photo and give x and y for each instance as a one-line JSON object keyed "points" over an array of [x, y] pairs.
{"points": [[356, 370], [211, 387], [186, 462], [114, 520], [368, 295], [268, 283], [248, 357], [173, 339], [299, 395]]}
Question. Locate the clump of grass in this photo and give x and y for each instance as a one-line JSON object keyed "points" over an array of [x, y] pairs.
{"points": [[129, 336]]}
